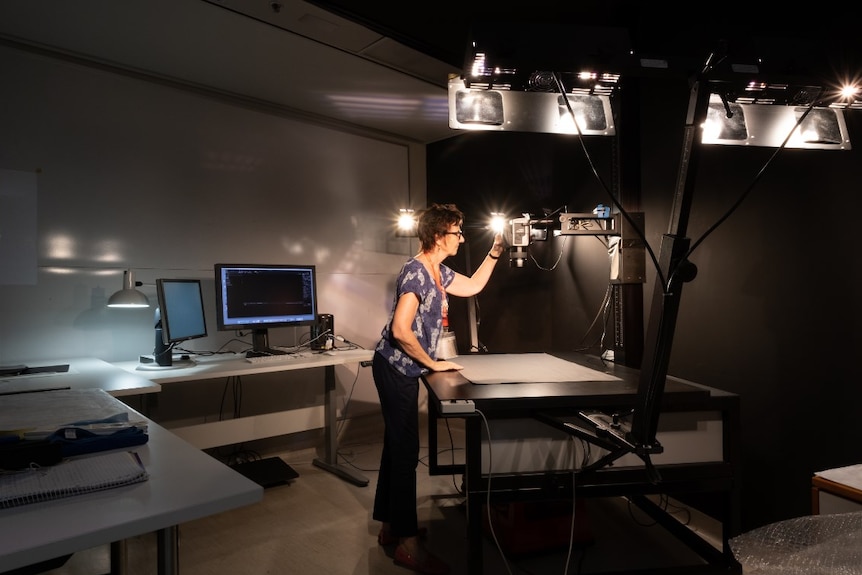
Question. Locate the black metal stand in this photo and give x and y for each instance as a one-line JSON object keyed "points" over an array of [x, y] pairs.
{"points": [[673, 271]]}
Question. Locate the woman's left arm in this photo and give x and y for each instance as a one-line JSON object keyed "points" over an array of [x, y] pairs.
{"points": [[463, 286]]}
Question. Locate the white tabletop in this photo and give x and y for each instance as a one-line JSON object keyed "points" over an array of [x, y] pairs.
{"points": [[229, 365], [83, 373], [184, 484]]}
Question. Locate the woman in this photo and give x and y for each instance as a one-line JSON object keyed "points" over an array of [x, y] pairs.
{"points": [[407, 350]]}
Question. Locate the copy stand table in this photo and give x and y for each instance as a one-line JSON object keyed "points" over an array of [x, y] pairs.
{"points": [[241, 429], [712, 475]]}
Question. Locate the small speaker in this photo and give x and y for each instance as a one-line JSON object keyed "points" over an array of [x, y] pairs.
{"points": [[323, 332]]}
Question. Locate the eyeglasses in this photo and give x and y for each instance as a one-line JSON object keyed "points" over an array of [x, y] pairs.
{"points": [[459, 233]]}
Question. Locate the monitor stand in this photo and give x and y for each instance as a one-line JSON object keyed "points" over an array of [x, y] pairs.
{"points": [[148, 363], [260, 345]]}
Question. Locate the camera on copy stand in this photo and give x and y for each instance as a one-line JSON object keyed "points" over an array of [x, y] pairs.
{"points": [[519, 242], [323, 332]]}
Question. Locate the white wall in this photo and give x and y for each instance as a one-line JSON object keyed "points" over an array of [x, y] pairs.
{"points": [[142, 175]]}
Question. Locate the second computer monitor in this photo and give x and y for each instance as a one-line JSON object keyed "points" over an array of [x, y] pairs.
{"points": [[257, 297]]}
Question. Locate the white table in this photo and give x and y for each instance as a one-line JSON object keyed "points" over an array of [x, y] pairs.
{"points": [[216, 433], [184, 484], [84, 373]]}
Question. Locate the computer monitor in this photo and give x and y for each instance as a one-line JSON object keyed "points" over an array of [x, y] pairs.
{"points": [[258, 297], [179, 317]]}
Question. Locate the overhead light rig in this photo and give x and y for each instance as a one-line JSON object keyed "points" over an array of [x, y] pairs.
{"points": [[523, 79]]}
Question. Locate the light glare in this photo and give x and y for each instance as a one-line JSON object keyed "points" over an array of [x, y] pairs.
{"points": [[498, 222]]}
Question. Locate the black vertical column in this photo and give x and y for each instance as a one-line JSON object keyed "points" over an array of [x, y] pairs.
{"points": [[674, 270], [627, 292]]}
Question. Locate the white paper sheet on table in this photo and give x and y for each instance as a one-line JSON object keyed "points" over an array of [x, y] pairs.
{"points": [[526, 368], [59, 407]]}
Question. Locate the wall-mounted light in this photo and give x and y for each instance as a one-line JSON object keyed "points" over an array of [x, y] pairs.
{"points": [[406, 224], [128, 296]]}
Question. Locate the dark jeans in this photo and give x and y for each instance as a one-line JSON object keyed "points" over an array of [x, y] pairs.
{"points": [[395, 498]]}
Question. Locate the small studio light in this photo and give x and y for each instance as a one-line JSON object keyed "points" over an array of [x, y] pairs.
{"points": [[128, 297], [406, 226], [498, 222], [848, 95]]}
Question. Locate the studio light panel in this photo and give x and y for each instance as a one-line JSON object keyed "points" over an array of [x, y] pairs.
{"points": [[522, 111], [769, 125]]}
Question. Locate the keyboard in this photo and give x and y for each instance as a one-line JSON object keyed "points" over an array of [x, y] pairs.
{"points": [[280, 358]]}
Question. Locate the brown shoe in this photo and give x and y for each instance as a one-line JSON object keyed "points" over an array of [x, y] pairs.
{"points": [[421, 562], [385, 537]]}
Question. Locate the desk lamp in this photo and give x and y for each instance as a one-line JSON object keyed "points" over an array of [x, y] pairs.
{"points": [[128, 297]]}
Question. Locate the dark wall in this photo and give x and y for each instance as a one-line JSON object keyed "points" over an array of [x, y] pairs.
{"points": [[515, 173], [772, 314]]}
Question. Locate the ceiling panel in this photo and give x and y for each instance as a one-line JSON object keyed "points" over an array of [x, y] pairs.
{"points": [[367, 65], [299, 58]]}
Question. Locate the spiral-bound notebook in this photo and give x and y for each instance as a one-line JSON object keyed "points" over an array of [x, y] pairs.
{"points": [[71, 477]]}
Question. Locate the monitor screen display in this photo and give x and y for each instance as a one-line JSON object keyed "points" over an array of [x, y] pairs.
{"points": [[181, 309], [261, 296]]}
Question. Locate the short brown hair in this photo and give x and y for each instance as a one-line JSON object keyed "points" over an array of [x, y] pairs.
{"points": [[435, 221]]}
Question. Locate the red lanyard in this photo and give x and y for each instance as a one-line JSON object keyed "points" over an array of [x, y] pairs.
{"points": [[445, 301]]}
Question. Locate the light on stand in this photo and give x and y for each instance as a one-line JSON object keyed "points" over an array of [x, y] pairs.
{"points": [[128, 297]]}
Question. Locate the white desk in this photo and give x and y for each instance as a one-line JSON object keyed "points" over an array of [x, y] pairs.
{"points": [[84, 373], [184, 484], [216, 433]]}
